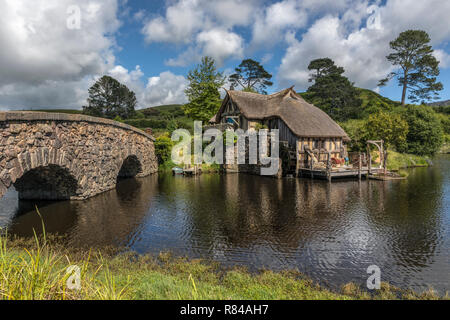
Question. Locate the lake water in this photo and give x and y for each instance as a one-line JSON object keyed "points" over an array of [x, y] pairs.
{"points": [[331, 232]]}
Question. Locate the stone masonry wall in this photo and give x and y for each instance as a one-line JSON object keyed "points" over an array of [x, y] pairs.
{"points": [[62, 156], [254, 169]]}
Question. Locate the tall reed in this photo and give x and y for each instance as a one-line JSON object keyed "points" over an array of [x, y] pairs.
{"points": [[40, 273]]}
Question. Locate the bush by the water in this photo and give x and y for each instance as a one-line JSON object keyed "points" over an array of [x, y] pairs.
{"points": [[425, 134], [163, 148], [414, 130]]}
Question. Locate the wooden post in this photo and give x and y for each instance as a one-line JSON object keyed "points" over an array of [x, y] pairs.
{"points": [[297, 156], [359, 167], [329, 166], [311, 168], [369, 160]]}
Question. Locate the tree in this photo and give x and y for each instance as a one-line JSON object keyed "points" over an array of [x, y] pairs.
{"points": [[417, 67], [425, 135], [203, 90], [389, 127], [163, 148], [109, 98], [322, 68], [332, 91], [251, 76], [358, 133]]}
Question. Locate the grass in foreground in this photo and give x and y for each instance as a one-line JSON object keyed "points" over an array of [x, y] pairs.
{"points": [[397, 161], [38, 270]]}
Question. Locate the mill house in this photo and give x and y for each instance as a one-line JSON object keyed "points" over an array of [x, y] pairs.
{"points": [[310, 141]]}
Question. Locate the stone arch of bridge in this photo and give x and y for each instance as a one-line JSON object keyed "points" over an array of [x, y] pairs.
{"points": [[131, 167], [51, 182]]}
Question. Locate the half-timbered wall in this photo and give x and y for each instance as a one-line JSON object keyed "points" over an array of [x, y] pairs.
{"points": [[334, 145]]}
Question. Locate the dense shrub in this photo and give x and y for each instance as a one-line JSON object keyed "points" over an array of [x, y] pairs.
{"points": [[389, 127], [425, 135], [442, 109], [445, 121], [163, 148], [357, 131], [150, 112], [147, 123], [139, 115]]}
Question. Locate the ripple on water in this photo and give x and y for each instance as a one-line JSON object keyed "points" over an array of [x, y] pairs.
{"points": [[331, 232]]}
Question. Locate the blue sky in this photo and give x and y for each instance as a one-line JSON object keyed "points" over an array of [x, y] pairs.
{"points": [[151, 45]]}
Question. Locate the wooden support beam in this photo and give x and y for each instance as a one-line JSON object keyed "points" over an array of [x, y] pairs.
{"points": [[359, 167]]}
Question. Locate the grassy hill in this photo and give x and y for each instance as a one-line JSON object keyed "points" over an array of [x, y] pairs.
{"points": [[371, 101], [69, 111], [161, 118], [444, 103], [370, 97]]}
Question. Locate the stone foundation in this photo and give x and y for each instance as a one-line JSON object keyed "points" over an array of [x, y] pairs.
{"points": [[254, 169]]}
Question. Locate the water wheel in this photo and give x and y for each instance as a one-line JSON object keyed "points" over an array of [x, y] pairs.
{"points": [[289, 159]]}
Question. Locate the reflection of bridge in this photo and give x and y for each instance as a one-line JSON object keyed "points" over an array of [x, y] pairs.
{"points": [[56, 156]]}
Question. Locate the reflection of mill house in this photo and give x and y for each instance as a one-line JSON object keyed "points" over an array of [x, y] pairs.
{"points": [[309, 138]]}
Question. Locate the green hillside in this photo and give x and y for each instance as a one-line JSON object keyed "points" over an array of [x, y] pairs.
{"points": [[174, 110], [371, 101], [161, 119], [69, 111]]}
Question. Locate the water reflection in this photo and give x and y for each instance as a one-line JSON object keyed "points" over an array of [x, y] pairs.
{"points": [[110, 218], [332, 232]]}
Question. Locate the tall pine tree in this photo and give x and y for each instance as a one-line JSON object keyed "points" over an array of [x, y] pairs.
{"points": [[251, 76], [418, 69]]}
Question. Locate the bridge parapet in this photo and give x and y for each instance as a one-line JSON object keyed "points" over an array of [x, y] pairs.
{"points": [[50, 116], [64, 156]]}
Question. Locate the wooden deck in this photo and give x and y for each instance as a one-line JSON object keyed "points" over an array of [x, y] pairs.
{"points": [[337, 173]]}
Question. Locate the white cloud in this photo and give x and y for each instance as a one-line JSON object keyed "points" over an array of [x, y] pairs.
{"points": [[183, 19], [44, 63], [266, 58], [139, 15], [209, 27], [190, 55], [178, 25], [270, 25], [230, 13], [167, 88], [205, 26], [220, 44], [362, 50], [272, 22], [443, 57], [49, 94], [132, 79]]}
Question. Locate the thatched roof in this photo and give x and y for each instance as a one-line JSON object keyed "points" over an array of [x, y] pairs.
{"points": [[304, 119]]}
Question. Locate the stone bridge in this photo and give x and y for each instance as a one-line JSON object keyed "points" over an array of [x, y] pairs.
{"points": [[55, 156]]}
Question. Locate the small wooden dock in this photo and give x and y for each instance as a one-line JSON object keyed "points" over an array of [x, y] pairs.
{"points": [[337, 173], [318, 164], [192, 170]]}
